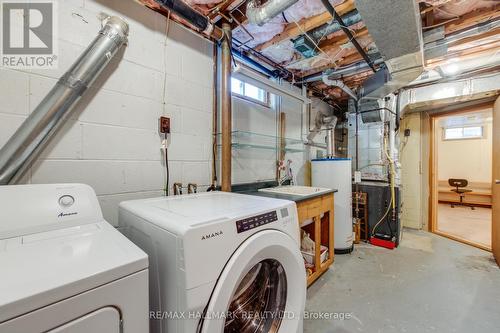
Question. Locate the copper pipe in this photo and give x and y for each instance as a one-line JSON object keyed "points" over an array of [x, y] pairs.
{"points": [[226, 108]]}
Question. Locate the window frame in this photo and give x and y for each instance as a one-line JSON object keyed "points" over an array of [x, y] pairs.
{"points": [[463, 138], [267, 95]]}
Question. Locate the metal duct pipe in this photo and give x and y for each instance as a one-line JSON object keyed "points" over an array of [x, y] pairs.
{"points": [[439, 47], [44, 121], [361, 66], [330, 142], [349, 19], [261, 14], [441, 95], [321, 119], [180, 8], [343, 71], [339, 84]]}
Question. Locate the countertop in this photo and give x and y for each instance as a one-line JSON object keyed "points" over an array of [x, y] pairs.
{"points": [[291, 197]]}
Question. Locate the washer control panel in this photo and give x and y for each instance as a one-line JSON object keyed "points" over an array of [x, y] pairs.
{"points": [[256, 221]]}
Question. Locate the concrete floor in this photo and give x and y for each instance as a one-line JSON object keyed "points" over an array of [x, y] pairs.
{"points": [[473, 225], [428, 284]]}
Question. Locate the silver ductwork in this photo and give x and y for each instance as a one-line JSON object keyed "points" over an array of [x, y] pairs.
{"points": [[323, 119], [340, 84], [436, 45], [441, 95], [396, 29], [330, 142], [260, 14], [343, 71], [43, 122]]}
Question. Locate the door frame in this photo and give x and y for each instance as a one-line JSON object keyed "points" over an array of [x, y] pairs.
{"points": [[433, 179]]}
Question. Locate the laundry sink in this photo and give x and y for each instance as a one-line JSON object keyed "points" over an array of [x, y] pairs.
{"points": [[296, 190]]}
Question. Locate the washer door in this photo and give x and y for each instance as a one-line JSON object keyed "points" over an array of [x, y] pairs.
{"points": [[261, 289]]}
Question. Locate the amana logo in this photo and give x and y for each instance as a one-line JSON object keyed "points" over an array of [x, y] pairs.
{"points": [[66, 214], [212, 235]]}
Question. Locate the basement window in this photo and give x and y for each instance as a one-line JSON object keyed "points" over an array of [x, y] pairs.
{"points": [[460, 133], [249, 92]]}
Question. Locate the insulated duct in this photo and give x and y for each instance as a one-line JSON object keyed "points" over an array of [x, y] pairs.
{"points": [[396, 29], [260, 14], [43, 122], [340, 84]]}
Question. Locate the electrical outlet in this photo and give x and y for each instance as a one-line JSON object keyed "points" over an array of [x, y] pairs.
{"points": [[164, 125]]}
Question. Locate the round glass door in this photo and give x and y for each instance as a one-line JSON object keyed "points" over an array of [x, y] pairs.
{"points": [[258, 303]]}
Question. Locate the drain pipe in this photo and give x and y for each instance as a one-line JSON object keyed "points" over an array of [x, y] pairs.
{"points": [[261, 14], [339, 84], [43, 122]]}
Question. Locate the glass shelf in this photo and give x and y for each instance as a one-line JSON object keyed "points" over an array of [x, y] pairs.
{"points": [[249, 140]]}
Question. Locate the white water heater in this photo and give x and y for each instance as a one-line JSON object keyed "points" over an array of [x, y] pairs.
{"points": [[336, 173]]}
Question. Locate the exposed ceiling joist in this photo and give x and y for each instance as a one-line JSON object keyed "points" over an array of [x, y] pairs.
{"points": [[471, 19], [292, 31]]}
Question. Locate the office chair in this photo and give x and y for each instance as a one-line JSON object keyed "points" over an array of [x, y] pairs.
{"points": [[459, 188]]}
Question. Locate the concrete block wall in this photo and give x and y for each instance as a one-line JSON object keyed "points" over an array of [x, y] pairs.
{"points": [[111, 140]]}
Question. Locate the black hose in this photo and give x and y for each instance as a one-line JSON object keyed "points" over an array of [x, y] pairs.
{"points": [[180, 8]]}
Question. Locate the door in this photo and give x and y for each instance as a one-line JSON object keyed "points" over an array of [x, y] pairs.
{"points": [[261, 289], [495, 226]]}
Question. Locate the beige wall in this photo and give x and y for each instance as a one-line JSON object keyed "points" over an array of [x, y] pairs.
{"points": [[411, 172], [465, 159]]}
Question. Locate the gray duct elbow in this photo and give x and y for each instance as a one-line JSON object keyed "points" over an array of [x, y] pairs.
{"points": [[261, 14], [339, 84]]}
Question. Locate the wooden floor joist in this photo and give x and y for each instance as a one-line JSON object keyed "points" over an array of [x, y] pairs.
{"points": [[292, 31]]}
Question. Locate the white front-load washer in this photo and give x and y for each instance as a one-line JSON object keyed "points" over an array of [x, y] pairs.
{"points": [[63, 268], [220, 262]]}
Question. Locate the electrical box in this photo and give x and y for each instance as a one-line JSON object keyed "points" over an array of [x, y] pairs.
{"points": [[164, 125]]}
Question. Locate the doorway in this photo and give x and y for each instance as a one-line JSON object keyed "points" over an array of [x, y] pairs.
{"points": [[461, 171]]}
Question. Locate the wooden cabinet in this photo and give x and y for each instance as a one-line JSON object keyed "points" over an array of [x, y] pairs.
{"points": [[320, 210]]}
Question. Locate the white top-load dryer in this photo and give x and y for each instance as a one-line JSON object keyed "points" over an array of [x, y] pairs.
{"points": [[220, 262], [63, 268]]}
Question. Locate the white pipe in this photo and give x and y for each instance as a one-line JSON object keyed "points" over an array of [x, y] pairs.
{"points": [[260, 81], [261, 14], [339, 84]]}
